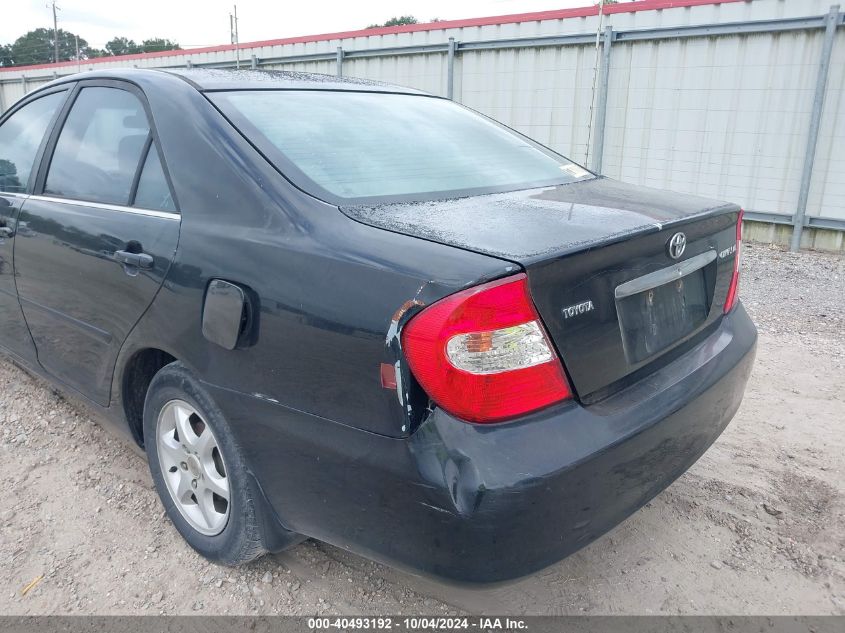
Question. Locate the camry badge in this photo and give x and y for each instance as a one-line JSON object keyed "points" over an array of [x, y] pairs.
{"points": [[677, 245]]}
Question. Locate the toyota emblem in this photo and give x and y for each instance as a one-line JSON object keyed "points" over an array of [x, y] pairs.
{"points": [[677, 245]]}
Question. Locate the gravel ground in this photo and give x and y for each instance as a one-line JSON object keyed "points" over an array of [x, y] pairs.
{"points": [[756, 526]]}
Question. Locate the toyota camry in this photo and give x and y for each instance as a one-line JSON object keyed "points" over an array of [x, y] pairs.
{"points": [[332, 308]]}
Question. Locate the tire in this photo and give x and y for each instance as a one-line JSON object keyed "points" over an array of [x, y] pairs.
{"points": [[230, 531]]}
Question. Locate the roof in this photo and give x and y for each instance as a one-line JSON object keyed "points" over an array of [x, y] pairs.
{"points": [[557, 14], [229, 79], [208, 79]]}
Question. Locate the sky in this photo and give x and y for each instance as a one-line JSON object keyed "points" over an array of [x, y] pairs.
{"points": [[194, 23]]}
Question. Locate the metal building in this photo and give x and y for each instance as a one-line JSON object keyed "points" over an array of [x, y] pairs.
{"points": [[742, 100]]}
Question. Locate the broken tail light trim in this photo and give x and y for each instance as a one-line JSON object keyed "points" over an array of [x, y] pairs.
{"points": [[733, 289], [483, 355]]}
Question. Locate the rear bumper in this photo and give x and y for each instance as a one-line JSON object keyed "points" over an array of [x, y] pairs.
{"points": [[483, 504]]}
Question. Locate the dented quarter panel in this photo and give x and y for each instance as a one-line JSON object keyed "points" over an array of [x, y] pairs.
{"points": [[488, 503], [327, 286]]}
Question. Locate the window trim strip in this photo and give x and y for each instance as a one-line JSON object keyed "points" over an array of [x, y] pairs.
{"points": [[166, 215], [139, 170]]}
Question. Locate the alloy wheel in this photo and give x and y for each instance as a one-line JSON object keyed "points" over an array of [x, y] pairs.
{"points": [[193, 467]]}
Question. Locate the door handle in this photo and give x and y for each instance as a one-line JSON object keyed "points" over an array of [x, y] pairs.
{"points": [[138, 260]]}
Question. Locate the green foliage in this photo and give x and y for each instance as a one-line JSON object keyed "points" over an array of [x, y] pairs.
{"points": [[402, 19], [157, 44], [9, 180], [36, 47], [5, 55], [122, 46]]}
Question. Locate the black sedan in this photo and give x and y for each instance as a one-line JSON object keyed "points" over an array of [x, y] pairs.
{"points": [[344, 310]]}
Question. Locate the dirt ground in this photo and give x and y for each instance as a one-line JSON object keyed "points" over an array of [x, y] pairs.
{"points": [[757, 526]]}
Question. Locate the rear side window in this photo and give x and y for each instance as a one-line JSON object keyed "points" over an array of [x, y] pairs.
{"points": [[100, 147], [153, 192], [20, 137]]}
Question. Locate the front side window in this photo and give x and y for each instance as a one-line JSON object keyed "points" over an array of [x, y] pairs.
{"points": [[99, 148], [20, 137], [358, 146]]}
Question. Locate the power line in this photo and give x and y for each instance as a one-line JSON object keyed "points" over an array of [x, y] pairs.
{"points": [[43, 46], [63, 39], [69, 38]]}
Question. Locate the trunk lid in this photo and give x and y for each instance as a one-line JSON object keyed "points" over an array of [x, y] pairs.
{"points": [[615, 302]]}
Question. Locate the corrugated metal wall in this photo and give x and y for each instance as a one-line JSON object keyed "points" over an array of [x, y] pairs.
{"points": [[545, 93], [827, 193], [724, 116]]}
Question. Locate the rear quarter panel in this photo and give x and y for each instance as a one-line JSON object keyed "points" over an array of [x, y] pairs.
{"points": [[328, 286]]}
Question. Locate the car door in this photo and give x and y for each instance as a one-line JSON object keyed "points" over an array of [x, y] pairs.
{"points": [[103, 226], [23, 134]]}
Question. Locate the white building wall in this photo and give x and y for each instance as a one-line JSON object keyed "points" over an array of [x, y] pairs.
{"points": [[726, 117]]}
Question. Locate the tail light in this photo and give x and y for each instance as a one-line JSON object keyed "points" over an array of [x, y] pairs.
{"points": [[483, 355], [730, 300]]}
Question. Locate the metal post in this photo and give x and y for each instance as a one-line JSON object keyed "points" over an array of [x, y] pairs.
{"points": [[237, 42], [55, 35], [2, 101], [189, 64], [23, 83], [813, 134], [601, 101], [339, 71], [450, 69], [253, 62]]}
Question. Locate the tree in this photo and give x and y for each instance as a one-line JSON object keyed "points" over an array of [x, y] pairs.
{"points": [[157, 44], [402, 19], [122, 46], [5, 55], [9, 180], [36, 47]]}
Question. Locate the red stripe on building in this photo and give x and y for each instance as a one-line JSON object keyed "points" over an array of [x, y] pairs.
{"points": [[537, 16]]}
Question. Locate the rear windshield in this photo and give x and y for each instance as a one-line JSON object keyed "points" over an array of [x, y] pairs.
{"points": [[355, 147]]}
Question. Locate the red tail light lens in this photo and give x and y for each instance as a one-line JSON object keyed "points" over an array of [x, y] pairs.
{"points": [[733, 290], [483, 355]]}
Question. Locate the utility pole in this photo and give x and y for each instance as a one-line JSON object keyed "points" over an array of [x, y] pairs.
{"points": [[233, 36], [55, 32], [76, 38], [595, 78]]}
